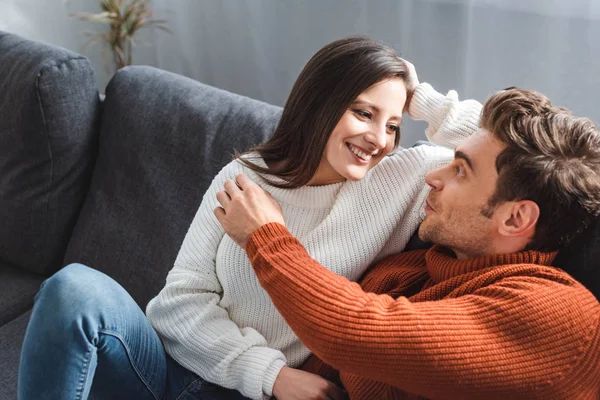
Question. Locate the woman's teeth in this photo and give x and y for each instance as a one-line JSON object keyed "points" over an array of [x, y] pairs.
{"points": [[359, 153]]}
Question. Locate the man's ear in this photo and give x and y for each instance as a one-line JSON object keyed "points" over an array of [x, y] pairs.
{"points": [[518, 218]]}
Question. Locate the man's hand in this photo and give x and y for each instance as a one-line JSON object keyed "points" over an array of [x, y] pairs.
{"points": [[245, 207], [295, 384]]}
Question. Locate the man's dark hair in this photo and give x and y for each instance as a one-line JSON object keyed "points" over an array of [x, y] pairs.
{"points": [[552, 158]]}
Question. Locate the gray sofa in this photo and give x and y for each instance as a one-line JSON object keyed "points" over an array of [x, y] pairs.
{"points": [[111, 184], [115, 184]]}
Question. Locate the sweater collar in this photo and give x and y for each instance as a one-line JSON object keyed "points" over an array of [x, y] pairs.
{"points": [[442, 263], [307, 197]]}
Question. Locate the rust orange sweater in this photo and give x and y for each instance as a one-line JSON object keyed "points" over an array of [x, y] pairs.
{"points": [[503, 326]]}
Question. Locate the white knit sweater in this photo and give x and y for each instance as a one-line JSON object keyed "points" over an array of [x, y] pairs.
{"points": [[213, 316]]}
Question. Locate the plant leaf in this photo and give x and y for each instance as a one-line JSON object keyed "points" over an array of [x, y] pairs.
{"points": [[124, 18]]}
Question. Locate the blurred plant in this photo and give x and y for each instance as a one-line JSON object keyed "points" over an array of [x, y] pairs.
{"points": [[124, 18]]}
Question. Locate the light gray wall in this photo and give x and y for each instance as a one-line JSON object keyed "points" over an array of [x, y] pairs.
{"points": [[258, 47]]}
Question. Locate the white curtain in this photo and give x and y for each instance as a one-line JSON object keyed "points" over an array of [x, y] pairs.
{"points": [[258, 47]]}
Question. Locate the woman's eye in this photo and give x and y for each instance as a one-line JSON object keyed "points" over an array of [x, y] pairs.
{"points": [[363, 114], [394, 128]]}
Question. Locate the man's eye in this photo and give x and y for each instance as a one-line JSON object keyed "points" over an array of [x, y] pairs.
{"points": [[460, 171]]}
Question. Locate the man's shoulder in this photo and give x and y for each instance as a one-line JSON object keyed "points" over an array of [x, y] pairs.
{"points": [[543, 290], [536, 274]]}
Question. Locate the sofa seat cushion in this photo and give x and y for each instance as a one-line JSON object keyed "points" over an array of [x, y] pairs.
{"points": [[17, 290], [48, 134], [11, 342], [163, 139]]}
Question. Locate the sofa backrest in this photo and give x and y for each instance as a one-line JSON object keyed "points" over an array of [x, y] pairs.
{"points": [[163, 139], [49, 114], [581, 258]]}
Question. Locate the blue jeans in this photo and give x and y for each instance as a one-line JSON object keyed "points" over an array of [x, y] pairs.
{"points": [[88, 336]]}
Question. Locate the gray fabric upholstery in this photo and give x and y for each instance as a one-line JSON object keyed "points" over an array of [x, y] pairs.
{"points": [[49, 108], [163, 139], [581, 258], [11, 341], [17, 289]]}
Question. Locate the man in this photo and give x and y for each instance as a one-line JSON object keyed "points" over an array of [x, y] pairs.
{"points": [[479, 315]]}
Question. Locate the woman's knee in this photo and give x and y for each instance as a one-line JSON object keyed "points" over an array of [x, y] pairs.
{"points": [[73, 287], [65, 281]]}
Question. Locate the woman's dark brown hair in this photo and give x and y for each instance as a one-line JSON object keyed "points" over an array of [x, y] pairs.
{"points": [[332, 79]]}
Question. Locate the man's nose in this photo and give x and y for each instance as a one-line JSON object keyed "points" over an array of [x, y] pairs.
{"points": [[434, 179]]}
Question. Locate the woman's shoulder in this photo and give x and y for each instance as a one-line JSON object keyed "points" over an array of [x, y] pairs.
{"points": [[238, 166], [229, 171]]}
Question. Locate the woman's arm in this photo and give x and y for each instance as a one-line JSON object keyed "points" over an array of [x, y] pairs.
{"points": [[449, 120], [196, 331]]}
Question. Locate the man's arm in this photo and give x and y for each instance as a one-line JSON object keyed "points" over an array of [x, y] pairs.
{"points": [[515, 333], [432, 348]]}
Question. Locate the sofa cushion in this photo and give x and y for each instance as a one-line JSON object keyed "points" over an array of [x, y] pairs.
{"points": [[48, 131], [163, 139], [581, 259], [11, 341], [17, 289]]}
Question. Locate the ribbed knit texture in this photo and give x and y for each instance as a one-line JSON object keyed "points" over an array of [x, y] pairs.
{"points": [[213, 316], [498, 327]]}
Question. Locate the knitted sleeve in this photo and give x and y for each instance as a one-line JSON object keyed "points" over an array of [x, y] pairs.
{"points": [[196, 331], [496, 339], [449, 120]]}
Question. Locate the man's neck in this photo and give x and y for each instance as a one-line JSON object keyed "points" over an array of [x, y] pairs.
{"points": [[466, 255], [503, 248]]}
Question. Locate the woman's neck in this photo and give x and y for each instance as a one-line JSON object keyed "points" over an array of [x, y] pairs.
{"points": [[325, 174]]}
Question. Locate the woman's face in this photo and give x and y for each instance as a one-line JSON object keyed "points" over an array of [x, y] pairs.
{"points": [[364, 135]]}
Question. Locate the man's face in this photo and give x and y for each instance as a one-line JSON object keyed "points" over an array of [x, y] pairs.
{"points": [[459, 193]]}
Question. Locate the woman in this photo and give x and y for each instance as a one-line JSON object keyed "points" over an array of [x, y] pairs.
{"points": [[326, 164]]}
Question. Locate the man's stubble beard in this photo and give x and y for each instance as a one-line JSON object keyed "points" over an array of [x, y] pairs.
{"points": [[467, 239]]}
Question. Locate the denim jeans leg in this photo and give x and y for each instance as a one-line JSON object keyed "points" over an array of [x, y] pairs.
{"points": [[183, 384], [85, 328]]}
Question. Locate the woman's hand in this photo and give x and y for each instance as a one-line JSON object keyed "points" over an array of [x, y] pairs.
{"points": [[411, 83], [245, 207], [295, 384]]}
